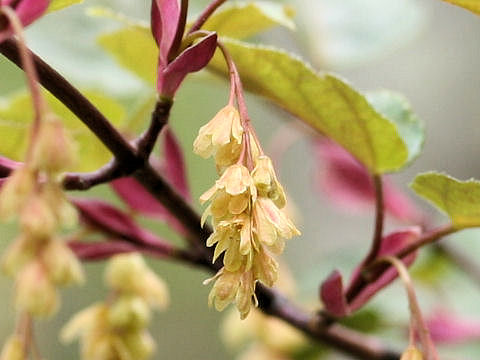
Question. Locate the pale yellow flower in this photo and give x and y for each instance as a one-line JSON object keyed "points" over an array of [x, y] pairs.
{"points": [[237, 287], [266, 181], [232, 193], [224, 129], [271, 225]]}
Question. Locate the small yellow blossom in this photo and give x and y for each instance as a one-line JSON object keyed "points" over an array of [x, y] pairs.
{"points": [[271, 225], [266, 181], [237, 286], [35, 292], [14, 349], [219, 136], [53, 150], [412, 353], [233, 193]]}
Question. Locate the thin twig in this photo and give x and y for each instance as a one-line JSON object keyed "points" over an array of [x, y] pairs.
{"points": [[203, 17], [146, 141], [360, 282]]}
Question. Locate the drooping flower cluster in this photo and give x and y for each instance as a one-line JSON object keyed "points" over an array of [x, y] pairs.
{"points": [[245, 206], [117, 329], [38, 258]]}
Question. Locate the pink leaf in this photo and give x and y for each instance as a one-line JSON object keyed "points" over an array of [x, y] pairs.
{"points": [[448, 328], [110, 220], [192, 59], [391, 245], [165, 16], [100, 250], [173, 167], [137, 198], [27, 11], [332, 295], [7, 166], [348, 183], [175, 164]]}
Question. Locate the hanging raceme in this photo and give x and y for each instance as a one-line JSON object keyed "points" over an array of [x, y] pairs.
{"points": [[245, 204]]}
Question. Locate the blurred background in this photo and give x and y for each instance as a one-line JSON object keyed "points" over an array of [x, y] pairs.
{"points": [[427, 50]]}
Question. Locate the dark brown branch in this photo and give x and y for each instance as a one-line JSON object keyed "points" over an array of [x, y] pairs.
{"points": [[84, 181], [146, 141], [269, 301]]}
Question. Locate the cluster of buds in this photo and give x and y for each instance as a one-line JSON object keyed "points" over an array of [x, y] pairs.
{"points": [[117, 329], [38, 258], [245, 206]]}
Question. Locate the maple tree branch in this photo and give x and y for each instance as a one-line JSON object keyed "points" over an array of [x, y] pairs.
{"points": [[270, 301]]}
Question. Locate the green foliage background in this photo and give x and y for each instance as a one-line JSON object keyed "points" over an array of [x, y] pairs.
{"points": [[437, 71]]}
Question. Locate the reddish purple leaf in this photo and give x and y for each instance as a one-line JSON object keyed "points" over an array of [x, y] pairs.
{"points": [[391, 245], [333, 296], [192, 59], [448, 328], [174, 164], [348, 183], [7, 166], [100, 250], [137, 198], [110, 220], [165, 16], [173, 167], [27, 11]]}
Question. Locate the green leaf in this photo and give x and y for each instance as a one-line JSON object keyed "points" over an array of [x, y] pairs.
{"points": [[244, 19], [134, 49], [16, 118], [60, 4], [396, 108], [323, 101], [472, 5], [460, 200]]}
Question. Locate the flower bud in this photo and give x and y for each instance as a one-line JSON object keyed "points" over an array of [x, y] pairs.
{"points": [[129, 274], [124, 271], [64, 211], [35, 293], [62, 265], [54, 149], [266, 181], [129, 312], [37, 218], [224, 129], [224, 290], [140, 345], [412, 353], [154, 290], [15, 190], [20, 252], [14, 349], [93, 317]]}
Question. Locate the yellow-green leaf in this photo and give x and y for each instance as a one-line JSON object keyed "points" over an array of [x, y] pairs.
{"points": [[323, 101], [396, 108], [472, 5], [133, 48], [244, 19], [16, 118], [460, 200], [60, 4]]}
